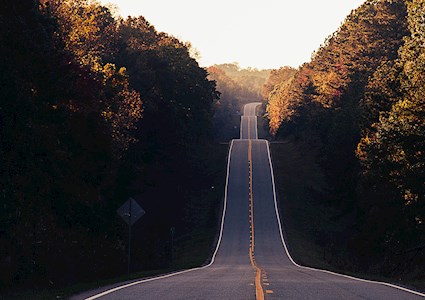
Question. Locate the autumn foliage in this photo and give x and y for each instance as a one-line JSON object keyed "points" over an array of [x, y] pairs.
{"points": [[359, 103], [93, 110], [236, 86]]}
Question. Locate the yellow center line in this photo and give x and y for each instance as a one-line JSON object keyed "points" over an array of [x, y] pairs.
{"points": [[259, 292]]}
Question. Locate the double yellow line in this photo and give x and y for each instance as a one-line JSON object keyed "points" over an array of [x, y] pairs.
{"points": [[259, 292]]}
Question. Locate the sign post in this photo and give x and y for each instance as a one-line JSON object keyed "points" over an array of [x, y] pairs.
{"points": [[172, 231], [131, 212]]}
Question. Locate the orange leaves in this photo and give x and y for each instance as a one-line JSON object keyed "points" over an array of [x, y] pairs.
{"points": [[86, 28], [281, 105], [90, 36], [277, 76], [362, 147], [122, 105], [341, 67], [329, 87]]}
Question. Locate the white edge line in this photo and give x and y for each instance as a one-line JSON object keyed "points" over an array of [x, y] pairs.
{"points": [[188, 270], [256, 128], [240, 133], [248, 114], [320, 270], [256, 118], [243, 115]]}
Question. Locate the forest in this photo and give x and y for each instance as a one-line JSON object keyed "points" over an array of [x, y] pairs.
{"points": [[237, 86], [96, 109], [357, 111]]}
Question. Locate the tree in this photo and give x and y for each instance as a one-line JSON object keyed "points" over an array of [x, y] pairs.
{"points": [[280, 75], [365, 84], [89, 33], [394, 148]]}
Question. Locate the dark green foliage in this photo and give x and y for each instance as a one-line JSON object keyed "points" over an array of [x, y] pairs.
{"points": [[55, 161], [391, 151], [359, 104], [74, 145]]}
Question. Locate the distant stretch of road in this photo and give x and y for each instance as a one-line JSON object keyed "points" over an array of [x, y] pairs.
{"points": [[251, 260]]}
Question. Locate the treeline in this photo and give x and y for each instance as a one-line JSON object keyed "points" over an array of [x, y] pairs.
{"points": [[93, 110], [277, 77], [237, 87], [250, 80], [359, 104]]}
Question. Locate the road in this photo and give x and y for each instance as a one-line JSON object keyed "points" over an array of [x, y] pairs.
{"points": [[249, 122], [251, 261]]}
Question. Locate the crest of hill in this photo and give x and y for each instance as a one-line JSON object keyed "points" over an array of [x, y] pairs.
{"points": [[251, 80]]}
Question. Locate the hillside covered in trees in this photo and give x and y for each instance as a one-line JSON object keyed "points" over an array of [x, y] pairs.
{"points": [[237, 87], [357, 108], [250, 80], [94, 110]]}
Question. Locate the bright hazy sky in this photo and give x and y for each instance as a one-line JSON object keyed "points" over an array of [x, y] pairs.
{"points": [[256, 33]]}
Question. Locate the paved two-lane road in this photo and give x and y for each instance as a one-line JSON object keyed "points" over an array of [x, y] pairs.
{"points": [[251, 261], [249, 122]]}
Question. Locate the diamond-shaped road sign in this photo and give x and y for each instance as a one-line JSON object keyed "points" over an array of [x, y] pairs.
{"points": [[130, 211]]}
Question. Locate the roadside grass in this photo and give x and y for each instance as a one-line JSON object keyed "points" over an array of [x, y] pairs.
{"points": [[195, 248], [67, 292], [228, 129], [191, 250], [262, 127], [309, 222], [296, 178]]}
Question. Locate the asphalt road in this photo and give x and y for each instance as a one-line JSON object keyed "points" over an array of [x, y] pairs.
{"points": [[249, 122], [251, 261]]}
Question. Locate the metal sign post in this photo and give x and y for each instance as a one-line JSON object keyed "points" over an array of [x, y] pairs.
{"points": [[172, 231], [131, 212]]}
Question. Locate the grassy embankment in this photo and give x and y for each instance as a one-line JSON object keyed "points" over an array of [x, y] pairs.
{"points": [[192, 249], [306, 220], [309, 223]]}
